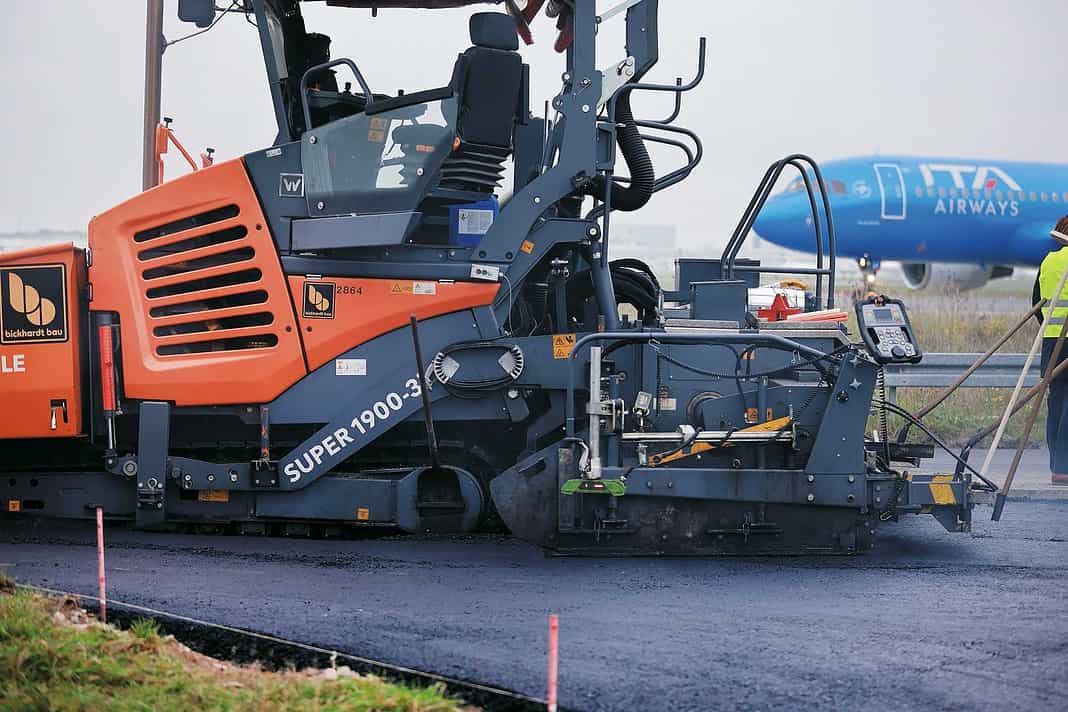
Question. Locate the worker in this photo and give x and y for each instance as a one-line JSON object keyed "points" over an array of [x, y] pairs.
{"points": [[1049, 276]]}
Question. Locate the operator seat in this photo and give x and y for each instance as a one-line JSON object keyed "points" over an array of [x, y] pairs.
{"points": [[490, 82], [488, 79]]}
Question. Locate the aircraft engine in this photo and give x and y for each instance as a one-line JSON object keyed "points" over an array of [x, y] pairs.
{"points": [[950, 276]]}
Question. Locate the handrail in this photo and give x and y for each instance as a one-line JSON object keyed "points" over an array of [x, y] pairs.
{"points": [[678, 175], [320, 67], [677, 88], [611, 320], [756, 204], [678, 104], [605, 209], [681, 173]]}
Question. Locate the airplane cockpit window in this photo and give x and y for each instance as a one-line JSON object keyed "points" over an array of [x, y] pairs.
{"points": [[797, 185]]}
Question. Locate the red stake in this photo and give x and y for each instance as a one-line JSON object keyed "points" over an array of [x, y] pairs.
{"points": [[100, 563], [554, 629]]}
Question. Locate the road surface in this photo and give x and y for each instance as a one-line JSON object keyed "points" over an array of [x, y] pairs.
{"points": [[930, 620]]}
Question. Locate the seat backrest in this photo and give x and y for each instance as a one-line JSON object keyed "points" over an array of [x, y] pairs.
{"points": [[488, 79]]}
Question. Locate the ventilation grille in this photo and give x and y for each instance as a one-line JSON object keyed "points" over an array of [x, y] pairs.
{"points": [[202, 281]]}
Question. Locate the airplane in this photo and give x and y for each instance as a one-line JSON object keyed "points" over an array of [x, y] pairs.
{"points": [[951, 222]]}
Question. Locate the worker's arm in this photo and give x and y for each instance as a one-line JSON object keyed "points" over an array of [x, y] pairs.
{"points": [[1036, 296]]}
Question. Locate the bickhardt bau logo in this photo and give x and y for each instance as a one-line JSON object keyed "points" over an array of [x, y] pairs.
{"points": [[319, 300], [33, 304]]}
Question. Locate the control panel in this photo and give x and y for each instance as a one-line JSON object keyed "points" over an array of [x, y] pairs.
{"points": [[884, 326]]}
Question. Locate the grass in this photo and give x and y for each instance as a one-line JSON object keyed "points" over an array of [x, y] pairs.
{"points": [[54, 657]]}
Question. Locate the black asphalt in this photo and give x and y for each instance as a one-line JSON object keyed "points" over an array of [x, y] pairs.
{"points": [[930, 620]]}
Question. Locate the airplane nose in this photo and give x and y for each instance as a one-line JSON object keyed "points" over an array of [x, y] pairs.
{"points": [[783, 222]]}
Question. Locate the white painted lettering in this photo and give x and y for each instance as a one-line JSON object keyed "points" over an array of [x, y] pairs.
{"points": [[330, 445], [343, 437], [982, 175], [317, 452], [15, 363]]}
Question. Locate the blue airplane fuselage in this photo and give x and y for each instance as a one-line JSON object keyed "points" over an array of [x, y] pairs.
{"points": [[918, 209]]}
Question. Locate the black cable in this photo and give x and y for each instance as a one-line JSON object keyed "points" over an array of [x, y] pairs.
{"points": [[475, 389], [898, 410], [790, 367]]}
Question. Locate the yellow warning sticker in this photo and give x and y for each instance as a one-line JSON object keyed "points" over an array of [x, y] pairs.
{"points": [[378, 124], [213, 496], [527, 246], [363, 514], [563, 344], [416, 288], [14, 505], [376, 136]]}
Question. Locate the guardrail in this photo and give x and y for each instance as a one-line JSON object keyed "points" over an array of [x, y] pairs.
{"points": [[940, 370]]}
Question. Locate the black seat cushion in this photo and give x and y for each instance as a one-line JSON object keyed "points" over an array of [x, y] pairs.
{"points": [[489, 83]]}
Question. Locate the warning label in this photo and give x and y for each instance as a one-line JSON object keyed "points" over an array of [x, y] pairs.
{"points": [[213, 496], [474, 222], [350, 367], [527, 246], [418, 288], [563, 345]]}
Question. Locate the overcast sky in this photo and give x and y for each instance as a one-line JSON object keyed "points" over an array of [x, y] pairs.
{"points": [[832, 78]]}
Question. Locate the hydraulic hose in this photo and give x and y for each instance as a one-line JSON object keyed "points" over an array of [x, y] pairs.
{"points": [[628, 198]]}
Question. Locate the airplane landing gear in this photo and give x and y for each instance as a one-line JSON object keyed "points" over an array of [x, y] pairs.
{"points": [[869, 269]]}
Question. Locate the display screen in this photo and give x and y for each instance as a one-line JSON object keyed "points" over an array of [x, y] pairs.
{"points": [[884, 315]]}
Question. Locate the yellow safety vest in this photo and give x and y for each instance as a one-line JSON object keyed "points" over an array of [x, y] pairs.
{"points": [[1049, 276]]}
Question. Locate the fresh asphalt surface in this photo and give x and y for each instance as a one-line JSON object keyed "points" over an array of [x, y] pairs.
{"points": [[929, 620]]}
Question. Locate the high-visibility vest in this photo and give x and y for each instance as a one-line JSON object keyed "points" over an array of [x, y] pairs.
{"points": [[1049, 276]]}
